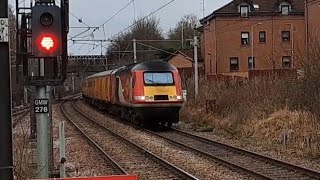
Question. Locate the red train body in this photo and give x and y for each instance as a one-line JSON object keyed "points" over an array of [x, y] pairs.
{"points": [[145, 93]]}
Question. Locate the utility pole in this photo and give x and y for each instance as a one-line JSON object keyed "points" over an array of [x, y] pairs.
{"points": [[196, 75], [72, 82], [203, 8], [25, 95], [182, 36], [134, 50], [6, 161]]}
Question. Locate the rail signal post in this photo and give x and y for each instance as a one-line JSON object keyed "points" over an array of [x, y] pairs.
{"points": [[6, 162], [49, 27], [46, 45]]}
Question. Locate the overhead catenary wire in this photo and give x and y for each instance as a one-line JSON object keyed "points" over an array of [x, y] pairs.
{"points": [[124, 7], [102, 25], [75, 16], [141, 19], [108, 20], [156, 48], [135, 22]]}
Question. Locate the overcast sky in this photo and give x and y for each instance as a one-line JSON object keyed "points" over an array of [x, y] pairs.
{"points": [[96, 12]]}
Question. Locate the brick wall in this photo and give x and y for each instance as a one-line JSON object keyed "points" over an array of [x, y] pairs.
{"points": [[222, 38], [313, 16]]}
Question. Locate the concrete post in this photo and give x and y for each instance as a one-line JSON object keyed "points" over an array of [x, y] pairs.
{"points": [[134, 50], [196, 75], [42, 131]]}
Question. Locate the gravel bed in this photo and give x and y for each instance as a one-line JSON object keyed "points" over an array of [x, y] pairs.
{"points": [[22, 128], [82, 159], [189, 161], [311, 164], [23, 152], [132, 160]]}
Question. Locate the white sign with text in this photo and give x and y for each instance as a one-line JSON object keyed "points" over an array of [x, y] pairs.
{"points": [[4, 30]]}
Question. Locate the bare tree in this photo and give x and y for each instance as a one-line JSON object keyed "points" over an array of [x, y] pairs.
{"points": [[146, 29], [308, 95], [185, 29]]}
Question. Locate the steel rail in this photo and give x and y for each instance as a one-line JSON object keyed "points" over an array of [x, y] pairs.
{"points": [[308, 172], [226, 150], [183, 173], [17, 120], [106, 156]]}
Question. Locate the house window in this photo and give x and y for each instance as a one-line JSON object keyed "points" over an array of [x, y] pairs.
{"points": [[285, 9], [285, 35], [244, 11], [262, 36], [234, 64], [245, 38], [286, 61], [251, 63]]}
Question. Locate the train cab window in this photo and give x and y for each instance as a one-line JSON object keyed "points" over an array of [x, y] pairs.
{"points": [[158, 78]]}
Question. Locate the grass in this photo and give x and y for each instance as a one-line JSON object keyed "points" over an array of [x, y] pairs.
{"points": [[262, 109]]}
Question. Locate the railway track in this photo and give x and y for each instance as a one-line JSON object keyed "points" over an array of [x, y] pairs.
{"points": [[240, 160], [248, 162], [114, 167], [18, 116], [133, 158]]}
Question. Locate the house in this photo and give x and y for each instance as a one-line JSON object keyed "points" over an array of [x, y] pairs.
{"points": [[313, 20], [247, 35], [185, 63]]}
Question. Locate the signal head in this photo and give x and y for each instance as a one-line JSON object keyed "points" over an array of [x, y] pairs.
{"points": [[46, 19], [46, 31]]}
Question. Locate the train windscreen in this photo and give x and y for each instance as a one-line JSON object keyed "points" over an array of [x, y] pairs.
{"points": [[158, 78]]}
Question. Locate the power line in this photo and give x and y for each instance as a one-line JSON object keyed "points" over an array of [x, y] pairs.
{"points": [[143, 18], [103, 24], [72, 14], [156, 48], [124, 7]]}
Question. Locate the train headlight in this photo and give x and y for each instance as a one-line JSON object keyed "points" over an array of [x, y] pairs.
{"points": [[179, 97], [139, 98]]}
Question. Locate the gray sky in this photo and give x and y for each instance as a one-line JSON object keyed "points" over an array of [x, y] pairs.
{"points": [[96, 12]]}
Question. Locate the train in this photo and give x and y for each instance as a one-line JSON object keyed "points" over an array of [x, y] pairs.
{"points": [[146, 94]]}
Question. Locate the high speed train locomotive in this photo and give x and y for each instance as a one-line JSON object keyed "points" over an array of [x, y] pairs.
{"points": [[147, 93]]}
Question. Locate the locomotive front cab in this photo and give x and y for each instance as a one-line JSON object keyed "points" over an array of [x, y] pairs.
{"points": [[159, 87]]}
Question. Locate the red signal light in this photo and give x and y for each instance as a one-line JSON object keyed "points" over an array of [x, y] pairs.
{"points": [[47, 42]]}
